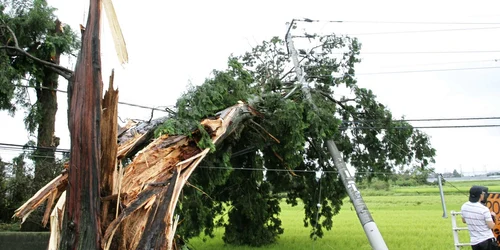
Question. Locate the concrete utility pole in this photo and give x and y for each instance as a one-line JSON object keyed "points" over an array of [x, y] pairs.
{"points": [[371, 230], [443, 204]]}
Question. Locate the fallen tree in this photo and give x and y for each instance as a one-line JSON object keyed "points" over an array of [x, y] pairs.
{"points": [[140, 178], [145, 191]]}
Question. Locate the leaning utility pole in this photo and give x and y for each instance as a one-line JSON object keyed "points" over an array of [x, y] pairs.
{"points": [[371, 230]]}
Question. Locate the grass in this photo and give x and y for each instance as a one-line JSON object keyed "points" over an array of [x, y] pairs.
{"points": [[408, 218]]}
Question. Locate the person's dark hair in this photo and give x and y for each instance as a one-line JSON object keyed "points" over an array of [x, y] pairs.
{"points": [[475, 193]]}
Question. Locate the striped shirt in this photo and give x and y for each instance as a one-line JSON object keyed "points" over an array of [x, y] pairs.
{"points": [[476, 215]]}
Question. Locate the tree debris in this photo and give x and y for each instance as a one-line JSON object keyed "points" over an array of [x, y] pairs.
{"points": [[147, 193]]}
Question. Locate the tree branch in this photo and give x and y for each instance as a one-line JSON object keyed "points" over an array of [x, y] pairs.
{"points": [[291, 70], [62, 71], [340, 103], [269, 134]]}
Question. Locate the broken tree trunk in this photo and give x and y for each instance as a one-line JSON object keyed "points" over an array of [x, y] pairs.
{"points": [[148, 191], [153, 181], [109, 146], [81, 228]]}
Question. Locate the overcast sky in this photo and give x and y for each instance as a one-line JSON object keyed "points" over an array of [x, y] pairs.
{"points": [[173, 43]]}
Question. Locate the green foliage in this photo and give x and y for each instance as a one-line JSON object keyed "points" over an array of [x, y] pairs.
{"points": [[363, 129], [34, 25], [9, 226], [37, 30], [174, 127], [252, 218], [412, 176], [16, 187], [3, 190], [380, 185], [224, 90]]}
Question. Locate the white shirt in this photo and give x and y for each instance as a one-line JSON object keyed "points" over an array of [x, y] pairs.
{"points": [[476, 215]]}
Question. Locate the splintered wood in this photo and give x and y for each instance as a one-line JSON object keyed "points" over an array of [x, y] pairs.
{"points": [[49, 193], [139, 199]]}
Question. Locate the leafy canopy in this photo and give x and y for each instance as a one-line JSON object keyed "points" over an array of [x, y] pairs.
{"points": [[34, 25], [249, 172]]}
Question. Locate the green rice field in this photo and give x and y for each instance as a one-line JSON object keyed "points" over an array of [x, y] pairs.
{"points": [[408, 218]]}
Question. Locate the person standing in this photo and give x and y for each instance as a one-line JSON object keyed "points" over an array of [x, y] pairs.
{"points": [[479, 221]]}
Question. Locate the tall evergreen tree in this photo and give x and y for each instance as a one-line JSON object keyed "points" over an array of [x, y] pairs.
{"points": [[32, 27]]}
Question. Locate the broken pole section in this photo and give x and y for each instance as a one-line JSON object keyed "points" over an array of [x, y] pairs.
{"points": [[82, 220], [365, 218]]}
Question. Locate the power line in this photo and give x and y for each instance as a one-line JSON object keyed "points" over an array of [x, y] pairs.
{"points": [[415, 65], [420, 52], [411, 71], [431, 119], [426, 70], [420, 31], [461, 191], [429, 52], [355, 121], [395, 22], [429, 127], [20, 146], [441, 63], [19, 149], [10, 145], [272, 169], [308, 36], [66, 92], [297, 170], [142, 106]]}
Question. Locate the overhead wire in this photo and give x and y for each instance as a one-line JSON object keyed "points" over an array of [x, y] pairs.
{"points": [[299, 170], [11, 145], [346, 121], [449, 183], [441, 63], [404, 32], [426, 70], [428, 52], [423, 71], [432, 119], [294, 170], [418, 65], [307, 20], [429, 127], [119, 102], [308, 36], [262, 169], [410, 71], [5, 146]]}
